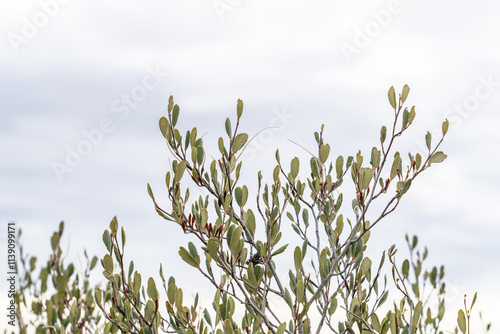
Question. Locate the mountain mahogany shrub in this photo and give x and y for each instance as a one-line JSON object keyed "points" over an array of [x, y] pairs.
{"points": [[240, 251], [331, 286], [59, 299]]}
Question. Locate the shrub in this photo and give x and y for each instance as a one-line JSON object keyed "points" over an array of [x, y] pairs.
{"points": [[298, 225]]}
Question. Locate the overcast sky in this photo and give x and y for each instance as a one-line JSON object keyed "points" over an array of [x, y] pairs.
{"points": [[74, 70]]}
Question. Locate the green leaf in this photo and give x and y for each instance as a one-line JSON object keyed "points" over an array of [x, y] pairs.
{"points": [[315, 168], [194, 155], [416, 317], [124, 237], [279, 250], [251, 275], [170, 103], [236, 236], [473, 301], [288, 299], [323, 262], [418, 161], [297, 256], [305, 326], [178, 297], [305, 217], [392, 97], [188, 258], [281, 328], [187, 139], [113, 224], [149, 311], [137, 283], [383, 298], [445, 126], [192, 249], [227, 202], [106, 238], [441, 311], [276, 173], [227, 327], [437, 157], [304, 249], [239, 141], [213, 247], [54, 241], [375, 158], [415, 289], [164, 127], [228, 127], [179, 171], [107, 263], [172, 289], [375, 322], [366, 265], [359, 159], [192, 139], [207, 317], [249, 219], [324, 153], [238, 193], [461, 321], [395, 166], [62, 283], [221, 145], [406, 91], [239, 108], [406, 268], [406, 118], [412, 115], [339, 166], [294, 167], [383, 133], [339, 224], [152, 291], [97, 296], [406, 187], [393, 325], [175, 115], [428, 140], [300, 291], [93, 263], [365, 177], [150, 192], [244, 195], [333, 306], [433, 276], [200, 155]]}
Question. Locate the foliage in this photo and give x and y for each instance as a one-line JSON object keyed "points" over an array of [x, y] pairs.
{"points": [[59, 299], [340, 277], [298, 225]]}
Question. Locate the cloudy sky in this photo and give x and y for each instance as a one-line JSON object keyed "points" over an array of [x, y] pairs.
{"points": [[83, 84]]}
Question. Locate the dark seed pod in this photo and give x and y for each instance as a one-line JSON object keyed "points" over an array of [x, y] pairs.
{"points": [[255, 259]]}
